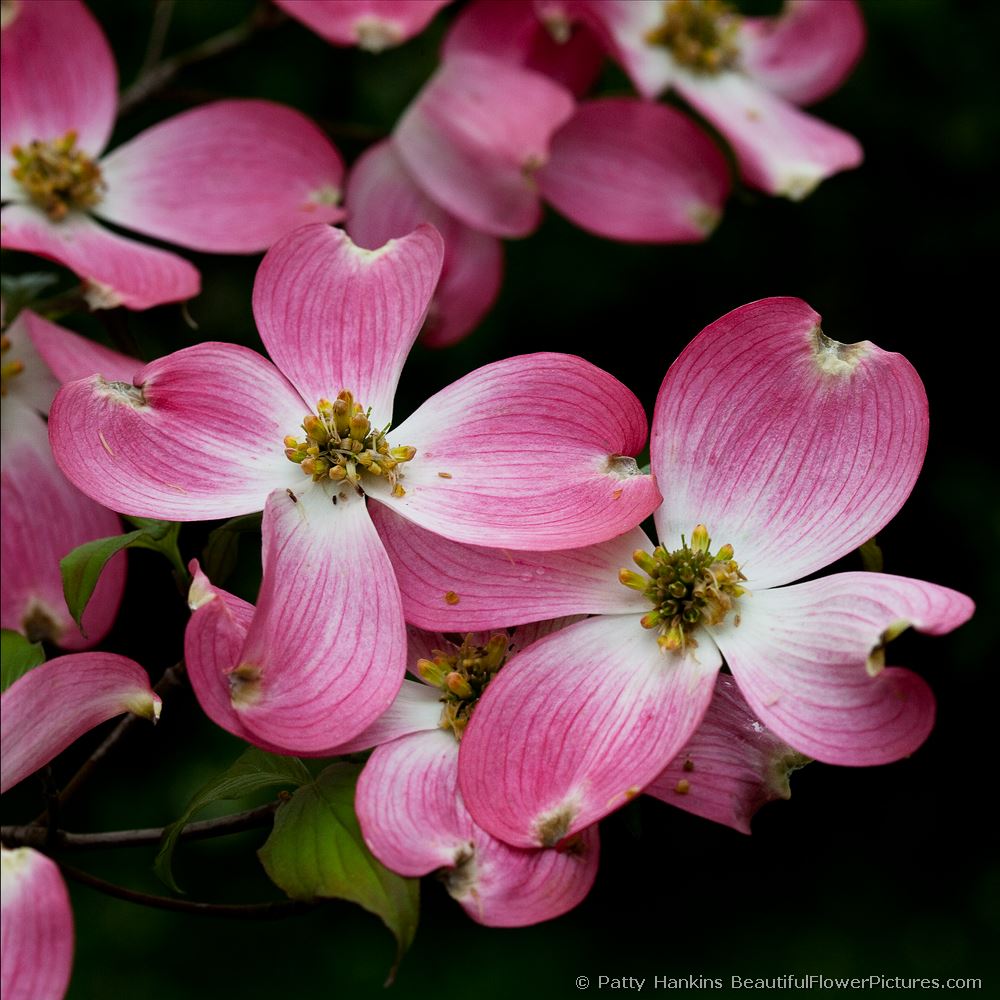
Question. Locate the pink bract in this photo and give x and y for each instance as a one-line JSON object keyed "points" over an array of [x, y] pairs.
{"points": [[370, 24], [57, 702], [792, 448], [36, 930], [228, 177], [748, 81], [337, 318], [44, 516]]}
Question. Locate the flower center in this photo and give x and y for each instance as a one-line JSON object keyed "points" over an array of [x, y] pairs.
{"points": [[700, 34], [463, 675], [341, 445], [8, 368], [687, 587], [57, 176]]}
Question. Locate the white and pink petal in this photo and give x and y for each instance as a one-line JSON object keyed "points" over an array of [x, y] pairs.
{"points": [[809, 660], [57, 702], [373, 25], [451, 586], [533, 452], [335, 316], [475, 135], [116, 271], [196, 435], [633, 170], [732, 766], [386, 204], [784, 443], [44, 518], [576, 725], [36, 929], [226, 177]]}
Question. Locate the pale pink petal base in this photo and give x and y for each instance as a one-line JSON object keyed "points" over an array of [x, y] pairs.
{"points": [[226, 177], [732, 766], [56, 703], [35, 385], [475, 134], [574, 726], [197, 435], [449, 586], [413, 819], [636, 171], [386, 204], [335, 316], [116, 271], [790, 446], [527, 453], [370, 24], [44, 518], [808, 658], [36, 927]]}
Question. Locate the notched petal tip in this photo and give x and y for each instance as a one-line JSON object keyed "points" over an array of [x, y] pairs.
{"points": [[9, 10], [875, 663], [623, 466], [147, 705], [833, 357], [98, 295], [552, 826], [120, 392], [374, 34]]}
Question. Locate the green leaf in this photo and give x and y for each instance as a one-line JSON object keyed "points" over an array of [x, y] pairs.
{"points": [[222, 547], [17, 657], [871, 556], [251, 772], [82, 568], [20, 290], [316, 851]]}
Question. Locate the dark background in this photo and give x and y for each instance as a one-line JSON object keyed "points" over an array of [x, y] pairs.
{"points": [[887, 870]]}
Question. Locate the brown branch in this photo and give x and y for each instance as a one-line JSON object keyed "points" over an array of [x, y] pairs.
{"points": [[172, 678], [43, 839], [239, 911], [158, 76]]}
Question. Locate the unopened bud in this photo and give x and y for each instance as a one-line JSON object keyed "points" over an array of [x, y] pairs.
{"points": [[699, 539], [458, 685], [725, 553], [632, 580], [650, 620], [432, 672], [645, 562], [403, 453]]}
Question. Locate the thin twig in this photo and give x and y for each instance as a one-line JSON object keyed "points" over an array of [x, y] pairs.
{"points": [[163, 12], [43, 839], [239, 911], [173, 677], [158, 76]]}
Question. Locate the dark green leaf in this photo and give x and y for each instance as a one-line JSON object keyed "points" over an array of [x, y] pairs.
{"points": [[253, 770], [82, 568], [222, 547], [17, 657], [316, 851], [871, 556]]}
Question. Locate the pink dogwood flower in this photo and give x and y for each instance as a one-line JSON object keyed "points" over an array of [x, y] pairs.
{"points": [[57, 702], [485, 142], [36, 929], [44, 516], [529, 452], [745, 75], [373, 25], [792, 450], [229, 177]]}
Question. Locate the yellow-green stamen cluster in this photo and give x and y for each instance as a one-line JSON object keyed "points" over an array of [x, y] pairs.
{"points": [[463, 675], [341, 444], [8, 369], [687, 587], [57, 176], [700, 34]]}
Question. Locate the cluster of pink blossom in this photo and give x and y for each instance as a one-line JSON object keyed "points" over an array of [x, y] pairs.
{"points": [[489, 543]]}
